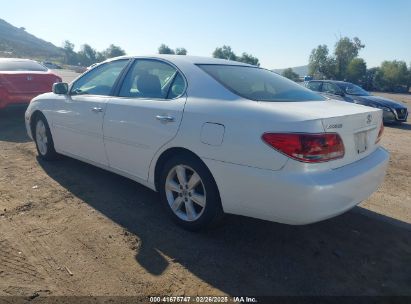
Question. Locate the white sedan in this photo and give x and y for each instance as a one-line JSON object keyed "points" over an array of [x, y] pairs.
{"points": [[215, 136]]}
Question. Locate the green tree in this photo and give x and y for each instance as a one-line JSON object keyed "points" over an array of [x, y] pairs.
{"points": [[345, 51], [87, 55], [393, 74], [70, 57], [356, 70], [181, 51], [320, 64], [290, 74], [113, 51], [224, 52], [164, 49], [100, 56], [370, 77], [68, 46], [248, 58]]}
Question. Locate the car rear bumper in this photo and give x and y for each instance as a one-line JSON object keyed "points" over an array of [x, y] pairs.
{"points": [[297, 198], [9, 99]]}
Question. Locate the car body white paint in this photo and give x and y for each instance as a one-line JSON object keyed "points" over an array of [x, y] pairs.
{"points": [[253, 179]]}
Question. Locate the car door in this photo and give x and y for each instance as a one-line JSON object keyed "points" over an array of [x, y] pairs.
{"points": [[78, 119], [145, 115]]}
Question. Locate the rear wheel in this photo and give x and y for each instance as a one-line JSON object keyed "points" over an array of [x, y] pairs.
{"points": [[190, 193], [43, 139]]}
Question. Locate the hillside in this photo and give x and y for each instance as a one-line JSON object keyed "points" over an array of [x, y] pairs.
{"points": [[16, 42], [300, 70]]}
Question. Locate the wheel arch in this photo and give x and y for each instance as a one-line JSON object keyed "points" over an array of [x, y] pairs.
{"points": [[33, 117], [169, 153]]}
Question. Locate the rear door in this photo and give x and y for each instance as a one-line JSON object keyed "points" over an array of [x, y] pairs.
{"points": [[78, 120], [144, 116]]}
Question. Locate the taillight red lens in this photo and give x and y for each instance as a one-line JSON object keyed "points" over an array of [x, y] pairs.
{"points": [[311, 148], [380, 132]]}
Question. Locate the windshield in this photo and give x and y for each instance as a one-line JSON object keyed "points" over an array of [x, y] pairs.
{"points": [[352, 89], [21, 65], [259, 84]]}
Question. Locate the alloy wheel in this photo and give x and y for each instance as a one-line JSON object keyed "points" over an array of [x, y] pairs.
{"points": [[185, 193], [41, 137]]}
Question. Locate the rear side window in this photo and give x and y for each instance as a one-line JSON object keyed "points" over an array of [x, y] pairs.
{"points": [[315, 86], [21, 65], [152, 79], [259, 84]]}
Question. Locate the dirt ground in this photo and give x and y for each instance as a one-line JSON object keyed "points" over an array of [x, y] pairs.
{"points": [[67, 228]]}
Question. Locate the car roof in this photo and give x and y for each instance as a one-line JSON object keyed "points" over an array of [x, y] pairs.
{"points": [[176, 59]]}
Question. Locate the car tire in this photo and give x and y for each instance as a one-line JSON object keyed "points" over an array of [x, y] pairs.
{"points": [[43, 139], [189, 193]]}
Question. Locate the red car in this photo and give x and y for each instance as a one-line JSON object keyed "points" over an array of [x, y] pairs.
{"points": [[23, 79]]}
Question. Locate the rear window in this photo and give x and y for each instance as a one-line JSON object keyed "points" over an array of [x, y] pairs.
{"points": [[21, 65], [259, 84]]}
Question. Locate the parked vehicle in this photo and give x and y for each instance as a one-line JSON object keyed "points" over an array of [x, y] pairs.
{"points": [[23, 79], [215, 136], [51, 65], [346, 91]]}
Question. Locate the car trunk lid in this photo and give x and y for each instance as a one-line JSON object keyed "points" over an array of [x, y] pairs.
{"points": [[357, 125], [359, 133]]}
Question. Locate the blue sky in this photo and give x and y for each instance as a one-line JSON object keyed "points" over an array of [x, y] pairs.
{"points": [[280, 33]]}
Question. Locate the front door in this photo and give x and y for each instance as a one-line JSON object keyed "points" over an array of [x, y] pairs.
{"points": [[78, 118]]}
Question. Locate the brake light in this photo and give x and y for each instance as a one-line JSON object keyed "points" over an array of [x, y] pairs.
{"points": [[310, 148], [380, 132]]}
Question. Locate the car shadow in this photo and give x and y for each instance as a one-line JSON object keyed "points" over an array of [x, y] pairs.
{"points": [[401, 126], [358, 253], [12, 127]]}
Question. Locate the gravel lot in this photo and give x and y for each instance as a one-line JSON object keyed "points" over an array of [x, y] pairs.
{"points": [[68, 228]]}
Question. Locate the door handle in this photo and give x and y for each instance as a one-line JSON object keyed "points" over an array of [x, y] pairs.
{"points": [[97, 110], [165, 118]]}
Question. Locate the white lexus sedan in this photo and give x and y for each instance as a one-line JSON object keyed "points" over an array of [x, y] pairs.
{"points": [[215, 136]]}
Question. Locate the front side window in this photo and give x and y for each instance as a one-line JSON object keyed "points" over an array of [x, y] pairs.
{"points": [[314, 86], [330, 88], [100, 80], [259, 84], [152, 79], [353, 89]]}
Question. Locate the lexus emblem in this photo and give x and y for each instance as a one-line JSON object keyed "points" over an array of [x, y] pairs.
{"points": [[402, 111], [369, 118], [29, 78]]}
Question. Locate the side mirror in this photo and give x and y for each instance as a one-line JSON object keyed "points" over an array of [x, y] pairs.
{"points": [[60, 88]]}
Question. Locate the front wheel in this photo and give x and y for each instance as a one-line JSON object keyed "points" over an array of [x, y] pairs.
{"points": [[43, 139], [190, 193]]}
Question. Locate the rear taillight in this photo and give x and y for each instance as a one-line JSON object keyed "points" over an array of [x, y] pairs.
{"points": [[380, 132], [310, 148]]}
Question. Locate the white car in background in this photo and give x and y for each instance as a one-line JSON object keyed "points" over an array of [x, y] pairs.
{"points": [[215, 136]]}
